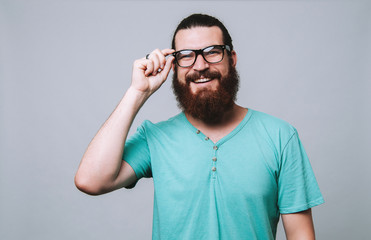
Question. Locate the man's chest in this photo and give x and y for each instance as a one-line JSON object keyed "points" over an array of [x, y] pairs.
{"points": [[242, 169]]}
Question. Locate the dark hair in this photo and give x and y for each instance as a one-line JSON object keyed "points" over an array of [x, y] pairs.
{"points": [[203, 20]]}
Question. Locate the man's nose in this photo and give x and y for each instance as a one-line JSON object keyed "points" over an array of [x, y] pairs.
{"points": [[200, 63]]}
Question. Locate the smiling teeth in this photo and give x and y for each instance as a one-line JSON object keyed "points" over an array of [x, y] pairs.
{"points": [[202, 80]]}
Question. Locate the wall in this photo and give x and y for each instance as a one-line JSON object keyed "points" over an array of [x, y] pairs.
{"points": [[64, 65]]}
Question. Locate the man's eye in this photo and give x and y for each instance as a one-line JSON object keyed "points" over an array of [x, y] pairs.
{"points": [[185, 55], [213, 52]]}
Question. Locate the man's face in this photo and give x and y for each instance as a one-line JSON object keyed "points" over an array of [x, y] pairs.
{"points": [[205, 90], [198, 38]]}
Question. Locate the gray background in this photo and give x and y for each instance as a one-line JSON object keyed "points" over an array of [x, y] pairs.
{"points": [[64, 65]]}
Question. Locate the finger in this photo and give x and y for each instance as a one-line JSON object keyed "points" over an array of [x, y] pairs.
{"points": [[168, 65], [162, 60], [149, 68], [167, 51], [157, 57], [158, 60]]}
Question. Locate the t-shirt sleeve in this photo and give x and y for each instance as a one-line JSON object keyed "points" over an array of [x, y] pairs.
{"points": [[137, 154], [297, 186]]}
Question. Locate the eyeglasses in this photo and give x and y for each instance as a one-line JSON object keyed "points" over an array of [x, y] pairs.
{"points": [[211, 54]]}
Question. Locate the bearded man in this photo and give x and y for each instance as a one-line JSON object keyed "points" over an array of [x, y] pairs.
{"points": [[220, 171]]}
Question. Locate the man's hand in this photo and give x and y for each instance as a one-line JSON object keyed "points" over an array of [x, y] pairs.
{"points": [[149, 74]]}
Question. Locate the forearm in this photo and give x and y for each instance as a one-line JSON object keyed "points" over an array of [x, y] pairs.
{"points": [[102, 160]]}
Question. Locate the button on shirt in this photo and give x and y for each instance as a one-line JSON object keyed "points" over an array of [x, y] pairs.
{"points": [[233, 189]]}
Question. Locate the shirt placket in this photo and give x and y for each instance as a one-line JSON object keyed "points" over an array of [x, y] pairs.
{"points": [[213, 159]]}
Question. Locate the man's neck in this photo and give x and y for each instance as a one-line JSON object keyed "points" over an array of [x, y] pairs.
{"points": [[217, 131]]}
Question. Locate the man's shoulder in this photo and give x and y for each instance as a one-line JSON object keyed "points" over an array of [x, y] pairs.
{"points": [[173, 122], [270, 122]]}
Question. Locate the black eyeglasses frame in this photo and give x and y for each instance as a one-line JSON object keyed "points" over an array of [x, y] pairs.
{"points": [[201, 52]]}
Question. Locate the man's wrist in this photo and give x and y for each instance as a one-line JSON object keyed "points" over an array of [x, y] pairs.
{"points": [[136, 95]]}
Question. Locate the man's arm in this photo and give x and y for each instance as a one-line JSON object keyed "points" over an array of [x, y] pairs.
{"points": [[102, 169], [299, 226]]}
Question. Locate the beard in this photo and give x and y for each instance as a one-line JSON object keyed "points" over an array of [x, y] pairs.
{"points": [[207, 105]]}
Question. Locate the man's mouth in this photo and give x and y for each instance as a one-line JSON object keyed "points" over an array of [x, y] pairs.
{"points": [[203, 77], [202, 80]]}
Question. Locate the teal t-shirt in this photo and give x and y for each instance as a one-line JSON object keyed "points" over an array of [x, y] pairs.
{"points": [[233, 189]]}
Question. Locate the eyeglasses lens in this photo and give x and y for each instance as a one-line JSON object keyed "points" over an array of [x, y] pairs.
{"points": [[212, 54]]}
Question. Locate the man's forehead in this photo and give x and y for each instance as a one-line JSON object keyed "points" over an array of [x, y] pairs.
{"points": [[198, 37]]}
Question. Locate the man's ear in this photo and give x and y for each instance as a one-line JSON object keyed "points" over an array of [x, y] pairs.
{"points": [[234, 57]]}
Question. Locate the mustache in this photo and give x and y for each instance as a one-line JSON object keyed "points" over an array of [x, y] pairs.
{"points": [[204, 74]]}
